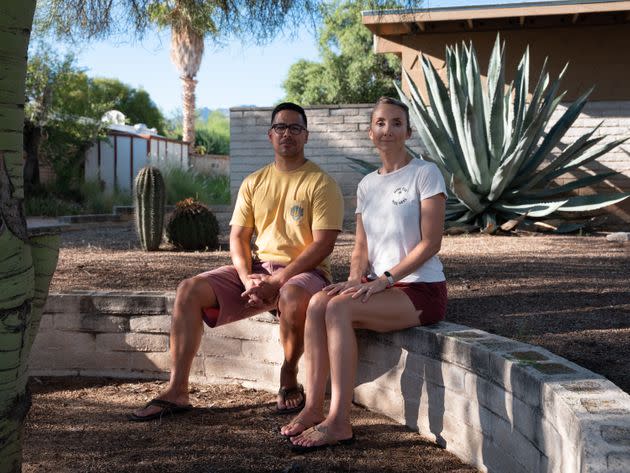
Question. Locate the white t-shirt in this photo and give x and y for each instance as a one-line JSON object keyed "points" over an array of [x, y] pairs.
{"points": [[389, 205]]}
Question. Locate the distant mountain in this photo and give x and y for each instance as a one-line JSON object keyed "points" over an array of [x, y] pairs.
{"points": [[205, 112]]}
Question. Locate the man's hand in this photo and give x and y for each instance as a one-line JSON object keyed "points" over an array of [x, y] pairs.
{"points": [[261, 290]]}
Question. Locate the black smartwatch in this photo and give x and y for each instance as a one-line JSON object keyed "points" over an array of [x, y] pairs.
{"points": [[390, 278]]}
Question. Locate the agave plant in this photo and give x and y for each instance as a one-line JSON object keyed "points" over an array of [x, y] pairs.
{"points": [[494, 147]]}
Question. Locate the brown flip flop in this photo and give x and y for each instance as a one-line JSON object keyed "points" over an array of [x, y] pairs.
{"points": [[284, 392], [167, 408]]}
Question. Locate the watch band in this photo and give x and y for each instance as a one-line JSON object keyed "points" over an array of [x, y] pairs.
{"points": [[390, 278]]}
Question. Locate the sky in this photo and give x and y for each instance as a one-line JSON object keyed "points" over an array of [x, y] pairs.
{"points": [[233, 75]]}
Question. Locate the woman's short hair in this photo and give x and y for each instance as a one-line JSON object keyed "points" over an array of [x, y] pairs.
{"points": [[392, 101]]}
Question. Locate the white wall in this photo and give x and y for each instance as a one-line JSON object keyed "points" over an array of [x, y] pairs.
{"points": [[123, 155]]}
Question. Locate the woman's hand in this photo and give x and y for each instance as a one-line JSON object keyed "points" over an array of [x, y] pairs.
{"points": [[369, 288], [342, 287]]}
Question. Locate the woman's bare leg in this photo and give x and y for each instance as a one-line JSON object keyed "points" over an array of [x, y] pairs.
{"points": [[316, 359], [384, 312]]}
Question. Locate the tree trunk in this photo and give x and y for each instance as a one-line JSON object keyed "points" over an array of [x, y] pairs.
{"points": [[189, 85], [27, 264]]}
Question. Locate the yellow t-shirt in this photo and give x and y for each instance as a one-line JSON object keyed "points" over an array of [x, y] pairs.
{"points": [[284, 208]]}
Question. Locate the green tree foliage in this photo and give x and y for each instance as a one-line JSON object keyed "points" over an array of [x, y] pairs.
{"points": [[63, 110], [136, 104], [349, 71], [212, 135], [56, 128]]}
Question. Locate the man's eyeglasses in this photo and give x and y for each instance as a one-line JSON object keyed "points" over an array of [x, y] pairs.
{"points": [[294, 129]]}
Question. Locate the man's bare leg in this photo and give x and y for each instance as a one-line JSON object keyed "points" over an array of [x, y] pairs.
{"points": [[292, 305], [186, 330]]}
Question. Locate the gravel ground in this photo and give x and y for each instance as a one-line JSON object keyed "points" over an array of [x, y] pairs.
{"points": [[568, 294]]}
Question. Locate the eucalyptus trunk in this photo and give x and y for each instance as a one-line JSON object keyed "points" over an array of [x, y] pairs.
{"points": [[26, 263]]}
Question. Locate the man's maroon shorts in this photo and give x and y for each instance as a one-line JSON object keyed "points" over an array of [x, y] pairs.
{"points": [[228, 288]]}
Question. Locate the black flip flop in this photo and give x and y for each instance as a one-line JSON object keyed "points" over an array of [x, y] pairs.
{"points": [[167, 408], [286, 392]]}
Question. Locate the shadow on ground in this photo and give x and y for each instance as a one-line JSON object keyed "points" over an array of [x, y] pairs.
{"points": [[80, 425]]}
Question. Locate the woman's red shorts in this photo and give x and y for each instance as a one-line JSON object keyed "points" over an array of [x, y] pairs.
{"points": [[429, 297]]}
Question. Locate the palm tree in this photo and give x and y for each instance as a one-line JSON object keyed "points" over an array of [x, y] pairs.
{"points": [[186, 53], [189, 21]]}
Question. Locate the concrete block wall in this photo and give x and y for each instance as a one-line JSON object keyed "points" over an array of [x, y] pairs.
{"points": [[126, 335], [501, 405], [340, 131], [335, 133]]}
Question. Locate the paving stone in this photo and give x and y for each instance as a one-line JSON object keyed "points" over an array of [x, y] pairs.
{"points": [[124, 303], [154, 362], [151, 324], [262, 351], [248, 330], [58, 341], [91, 322], [616, 435], [130, 342], [240, 369], [62, 303], [220, 346]]}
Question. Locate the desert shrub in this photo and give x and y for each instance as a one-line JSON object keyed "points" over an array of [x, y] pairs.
{"points": [[183, 183]]}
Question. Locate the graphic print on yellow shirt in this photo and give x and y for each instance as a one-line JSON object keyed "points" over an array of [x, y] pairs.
{"points": [[284, 208]]}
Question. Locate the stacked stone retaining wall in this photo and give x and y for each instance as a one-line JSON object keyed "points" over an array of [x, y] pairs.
{"points": [[498, 404]]}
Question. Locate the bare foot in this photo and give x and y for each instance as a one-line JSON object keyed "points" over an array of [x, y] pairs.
{"points": [[322, 434], [300, 423]]}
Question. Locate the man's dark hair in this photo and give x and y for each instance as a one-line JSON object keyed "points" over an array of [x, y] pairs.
{"points": [[392, 101], [289, 106]]}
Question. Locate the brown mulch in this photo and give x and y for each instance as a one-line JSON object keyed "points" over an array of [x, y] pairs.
{"points": [[569, 294], [79, 425]]}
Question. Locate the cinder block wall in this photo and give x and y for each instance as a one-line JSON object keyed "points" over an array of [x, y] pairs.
{"points": [[338, 132], [500, 405]]}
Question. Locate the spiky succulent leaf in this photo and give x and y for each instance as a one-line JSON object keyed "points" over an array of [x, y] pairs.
{"points": [[361, 166], [493, 143], [534, 209], [495, 147], [571, 186], [587, 203]]}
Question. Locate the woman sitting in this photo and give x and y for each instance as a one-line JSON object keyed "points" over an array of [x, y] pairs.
{"points": [[395, 282]]}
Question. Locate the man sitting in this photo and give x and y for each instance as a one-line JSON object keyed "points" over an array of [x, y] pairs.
{"points": [[296, 212]]}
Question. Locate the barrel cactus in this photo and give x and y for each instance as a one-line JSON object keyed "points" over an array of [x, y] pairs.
{"points": [[149, 200], [193, 227]]}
